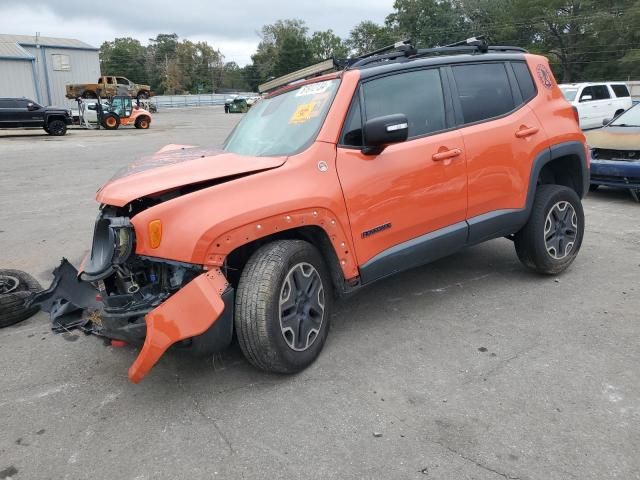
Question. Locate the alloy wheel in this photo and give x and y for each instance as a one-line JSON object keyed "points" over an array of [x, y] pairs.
{"points": [[560, 230], [8, 284], [301, 306]]}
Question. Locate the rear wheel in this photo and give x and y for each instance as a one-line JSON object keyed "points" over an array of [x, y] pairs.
{"points": [[142, 122], [16, 288], [89, 95], [110, 121], [57, 128], [143, 95], [283, 304], [552, 237]]}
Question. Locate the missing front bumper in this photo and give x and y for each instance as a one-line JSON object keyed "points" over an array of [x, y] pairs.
{"points": [[198, 318]]}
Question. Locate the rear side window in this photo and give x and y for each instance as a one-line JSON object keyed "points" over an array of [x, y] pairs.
{"points": [[484, 91], [620, 90], [8, 104], [416, 94], [525, 82]]}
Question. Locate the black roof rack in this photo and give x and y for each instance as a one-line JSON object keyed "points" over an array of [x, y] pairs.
{"points": [[401, 51], [473, 45]]}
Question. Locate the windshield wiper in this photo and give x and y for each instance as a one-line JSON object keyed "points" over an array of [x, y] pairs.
{"points": [[623, 125]]}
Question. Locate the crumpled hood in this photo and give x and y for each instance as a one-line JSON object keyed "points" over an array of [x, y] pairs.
{"points": [[176, 166], [614, 138]]}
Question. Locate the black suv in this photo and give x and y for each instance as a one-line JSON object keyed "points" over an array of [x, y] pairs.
{"points": [[24, 113]]}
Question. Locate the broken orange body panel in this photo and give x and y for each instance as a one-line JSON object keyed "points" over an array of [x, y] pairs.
{"points": [[198, 305]]}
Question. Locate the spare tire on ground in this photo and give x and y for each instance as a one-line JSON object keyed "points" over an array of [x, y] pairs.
{"points": [[16, 288]]}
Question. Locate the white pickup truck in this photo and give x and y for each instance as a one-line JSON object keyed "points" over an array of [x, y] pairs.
{"points": [[597, 102]]}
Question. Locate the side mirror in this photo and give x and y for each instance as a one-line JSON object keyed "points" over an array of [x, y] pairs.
{"points": [[606, 122], [382, 131], [586, 98], [32, 106]]}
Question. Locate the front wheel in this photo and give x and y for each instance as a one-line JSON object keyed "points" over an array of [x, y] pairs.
{"points": [[283, 305], [552, 237], [142, 122], [57, 128]]}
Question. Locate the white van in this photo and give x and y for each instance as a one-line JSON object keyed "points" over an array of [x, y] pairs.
{"points": [[597, 102]]}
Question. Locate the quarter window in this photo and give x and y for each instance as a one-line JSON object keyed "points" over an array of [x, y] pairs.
{"points": [[525, 82], [620, 90], [417, 94], [8, 104], [484, 91], [352, 135]]}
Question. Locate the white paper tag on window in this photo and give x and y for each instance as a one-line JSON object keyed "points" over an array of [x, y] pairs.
{"points": [[313, 88]]}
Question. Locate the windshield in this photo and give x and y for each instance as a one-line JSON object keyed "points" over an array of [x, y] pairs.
{"points": [[630, 118], [570, 93], [284, 124]]}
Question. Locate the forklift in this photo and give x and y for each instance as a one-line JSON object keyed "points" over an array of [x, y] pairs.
{"points": [[121, 111]]}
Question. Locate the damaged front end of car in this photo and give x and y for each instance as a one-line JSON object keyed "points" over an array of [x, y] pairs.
{"points": [[141, 300]]}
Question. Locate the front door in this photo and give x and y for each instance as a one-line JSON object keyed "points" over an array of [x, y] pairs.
{"points": [[413, 193]]}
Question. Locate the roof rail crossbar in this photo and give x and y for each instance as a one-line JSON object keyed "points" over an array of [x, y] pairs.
{"points": [[395, 47]]}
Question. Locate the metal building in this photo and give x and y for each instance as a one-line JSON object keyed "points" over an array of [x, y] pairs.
{"points": [[39, 67]]}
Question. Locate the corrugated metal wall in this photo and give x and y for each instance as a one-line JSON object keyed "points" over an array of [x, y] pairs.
{"points": [[16, 79], [84, 68]]}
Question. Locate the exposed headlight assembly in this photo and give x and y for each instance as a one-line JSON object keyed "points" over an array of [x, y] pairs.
{"points": [[113, 239]]}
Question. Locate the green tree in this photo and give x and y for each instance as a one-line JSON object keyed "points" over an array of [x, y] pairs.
{"points": [[326, 44], [124, 56], [427, 23], [368, 36], [284, 48]]}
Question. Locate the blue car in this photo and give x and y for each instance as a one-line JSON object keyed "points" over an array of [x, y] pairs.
{"points": [[615, 152]]}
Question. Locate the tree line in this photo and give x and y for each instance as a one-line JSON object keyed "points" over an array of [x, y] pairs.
{"points": [[584, 40]]}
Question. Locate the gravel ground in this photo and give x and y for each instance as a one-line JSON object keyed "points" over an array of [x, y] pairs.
{"points": [[468, 368]]}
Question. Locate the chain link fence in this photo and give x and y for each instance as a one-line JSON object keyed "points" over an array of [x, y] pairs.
{"points": [[202, 100]]}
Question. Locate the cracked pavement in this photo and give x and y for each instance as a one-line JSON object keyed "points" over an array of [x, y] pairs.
{"points": [[470, 368]]}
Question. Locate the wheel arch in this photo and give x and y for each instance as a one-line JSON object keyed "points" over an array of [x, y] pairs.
{"points": [[563, 164]]}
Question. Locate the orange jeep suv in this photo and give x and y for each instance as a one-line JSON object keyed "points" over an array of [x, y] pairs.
{"points": [[331, 182]]}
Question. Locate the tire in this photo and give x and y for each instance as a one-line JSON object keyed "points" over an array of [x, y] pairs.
{"points": [[16, 288], [89, 95], [593, 187], [143, 95], [547, 254], [142, 122], [271, 273], [110, 121], [56, 128]]}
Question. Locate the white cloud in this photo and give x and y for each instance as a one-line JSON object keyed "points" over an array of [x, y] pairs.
{"points": [[230, 27]]}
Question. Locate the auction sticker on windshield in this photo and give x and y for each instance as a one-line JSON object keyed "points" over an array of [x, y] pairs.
{"points": [[313, 88], [302, 113]]}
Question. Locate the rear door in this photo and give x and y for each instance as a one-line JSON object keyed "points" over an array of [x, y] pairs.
{"points": [[410, 189], [501, 137], [9, 114]]}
